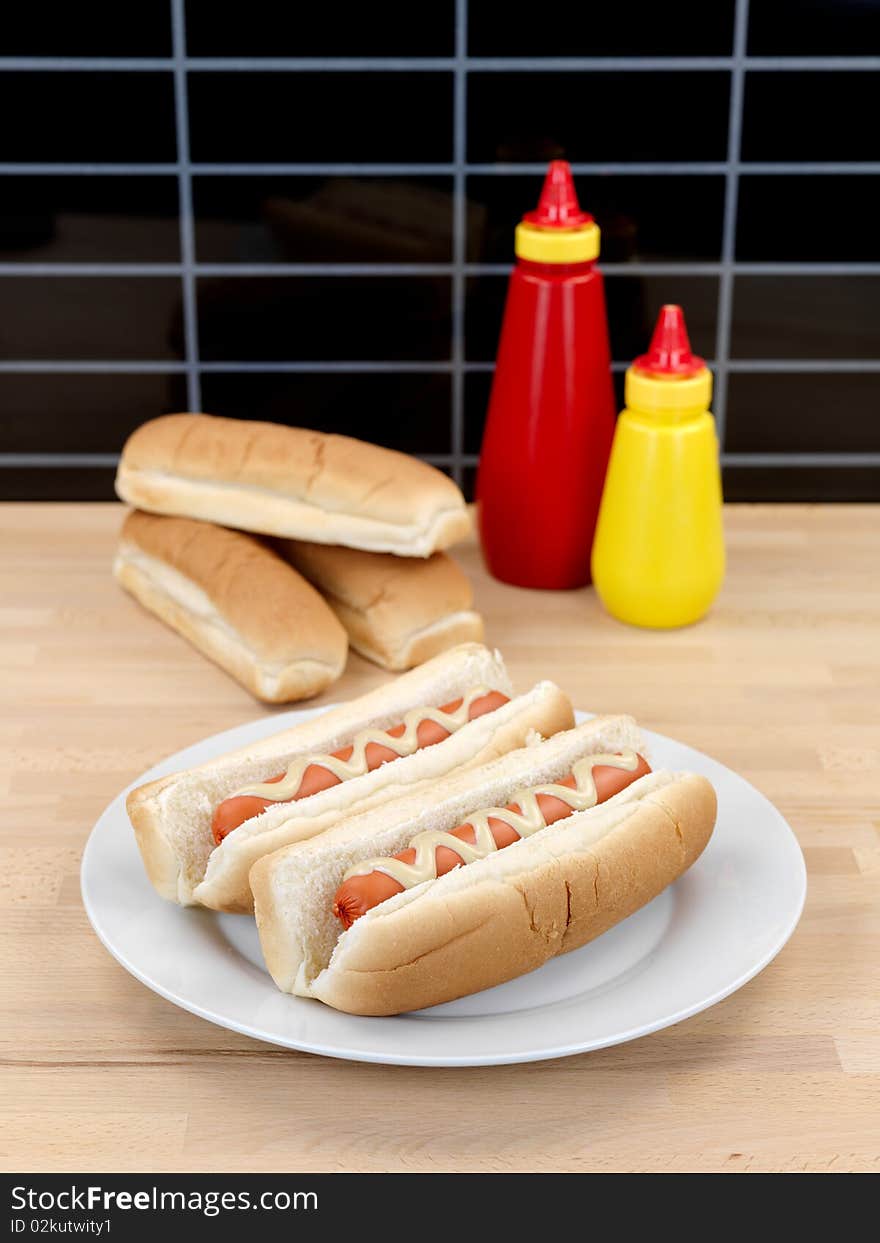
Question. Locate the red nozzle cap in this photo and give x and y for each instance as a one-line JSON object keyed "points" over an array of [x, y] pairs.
{"points": [[558, 207], [670, 350]]}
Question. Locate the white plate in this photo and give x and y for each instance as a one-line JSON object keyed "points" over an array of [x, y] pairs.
{"points": [[702, 939]]}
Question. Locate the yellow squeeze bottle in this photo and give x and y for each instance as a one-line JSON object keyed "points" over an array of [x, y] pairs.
{"points": [[658, 555]]}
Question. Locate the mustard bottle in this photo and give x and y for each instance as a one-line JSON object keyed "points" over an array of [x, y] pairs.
{"points": [[658, 555]]}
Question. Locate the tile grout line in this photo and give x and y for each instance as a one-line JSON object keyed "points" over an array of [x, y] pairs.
{"points": [[439, 64], [149, 366], [10, 460], [187, 225], [632, 168], [459, 240], [637, 268], [796, 459], [731, 200]]}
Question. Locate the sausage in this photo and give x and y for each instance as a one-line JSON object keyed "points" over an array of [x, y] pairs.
{"points": [[232, 812], [359, 894]]}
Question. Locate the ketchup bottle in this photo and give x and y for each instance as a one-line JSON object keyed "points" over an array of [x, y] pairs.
{"points": [[551, 413], [658, 558]]}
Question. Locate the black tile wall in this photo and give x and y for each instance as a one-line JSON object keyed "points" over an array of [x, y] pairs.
{"points": [[676, 28], [354, 259], [323, 219], [653, 218], [634, 303], [408, 412], [814, 28], [83, 317], [282, 319], [801, 483], [811, 219], [394, 28], [54, 482], [811, 116], [528, 117], [89, 28], [320, 117], [88, 117], [77, 413], [477, 387], [809, 317], [803, 412], [89, 219]]}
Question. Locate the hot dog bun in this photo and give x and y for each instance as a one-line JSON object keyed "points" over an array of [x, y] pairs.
{"points": [[398, 611], [235, 600], [292, 482], [464, 932], [172, 816], [491, 920]]}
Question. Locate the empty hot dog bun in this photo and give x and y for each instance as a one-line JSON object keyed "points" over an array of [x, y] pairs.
{"points": [[493, 919], [289, 481], [235, 600], [173, 816], [398, 611]]}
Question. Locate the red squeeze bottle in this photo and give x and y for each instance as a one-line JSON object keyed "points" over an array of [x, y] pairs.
{"points": [[551, 414]]}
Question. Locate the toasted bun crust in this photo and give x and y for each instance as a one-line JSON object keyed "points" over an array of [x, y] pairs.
{"points": [[398, 611], [236, 601], [453, 939], [292, 482], [172, 815]]}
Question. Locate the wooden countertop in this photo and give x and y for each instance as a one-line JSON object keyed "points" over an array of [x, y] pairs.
{"points": [[782, 683]]}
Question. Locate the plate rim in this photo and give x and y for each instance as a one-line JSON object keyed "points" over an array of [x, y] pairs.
{"points": [[352, 1052]]}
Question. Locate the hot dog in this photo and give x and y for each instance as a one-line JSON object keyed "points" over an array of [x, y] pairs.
{"points": [[200, 831], [374, 749], [547, 849], [377, 880]]}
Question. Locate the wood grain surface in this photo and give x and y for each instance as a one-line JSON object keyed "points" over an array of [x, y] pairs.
{"points": [[782, 683]]}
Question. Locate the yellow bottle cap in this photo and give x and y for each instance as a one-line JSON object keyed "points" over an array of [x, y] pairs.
{"points": [[669, 378], [557, 245], [557, 231], [668, 394]]}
